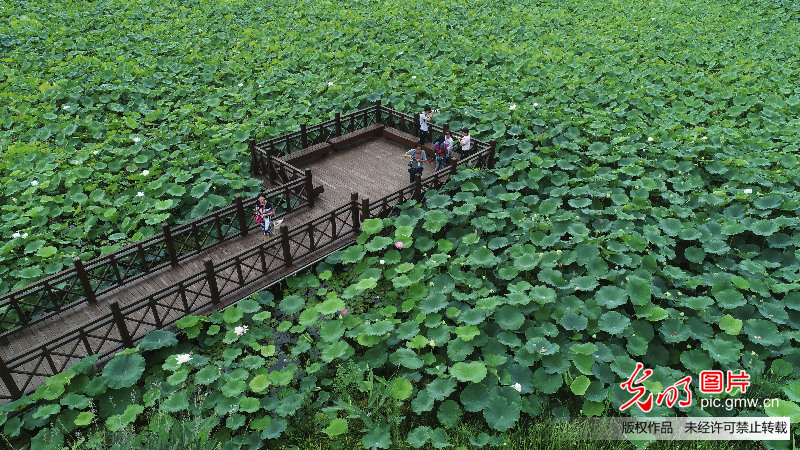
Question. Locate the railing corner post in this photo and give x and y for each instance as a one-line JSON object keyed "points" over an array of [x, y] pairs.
{"points": [[338, 124], [170, 244], [492, 147], [119, 319], [84, 279], [211, 277], [364, 209], [269, 168], [8, 380], [287, 251], [354, 209], [241, 215], [254, 169], [304, 135], [309, 188], [378, 111]]}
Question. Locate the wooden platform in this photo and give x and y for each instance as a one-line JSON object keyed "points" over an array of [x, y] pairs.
{"points": [[372, 169]]}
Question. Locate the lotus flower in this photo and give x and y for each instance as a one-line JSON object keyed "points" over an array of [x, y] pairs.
{"points": [[433, 343], [330, 83], [535, 105], [240, 331], [145, 172], [512, 107], [413, 77], [140, 194], [16, 235], [137, 139], [34, 183], [382, 262], [517, 386], [748, 191], [183, 358], [240, 84], [650, 139], [344, 311], [65, 107], [398, 244]]}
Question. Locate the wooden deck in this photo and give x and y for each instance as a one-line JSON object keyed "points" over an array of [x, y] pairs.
{"points": [[373, 169]]}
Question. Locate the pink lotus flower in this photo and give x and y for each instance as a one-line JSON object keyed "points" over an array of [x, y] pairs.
{"points": [[344, 311], [601, 220], [398, 244]]}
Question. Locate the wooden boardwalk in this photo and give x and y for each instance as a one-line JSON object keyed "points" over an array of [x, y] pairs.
{"points": [[373, 169]]}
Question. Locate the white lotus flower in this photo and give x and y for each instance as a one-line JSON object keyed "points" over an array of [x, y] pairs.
{"points": [[330, 83], [137, 139], [140, 194], [382, 262], [24, 235], [16, 235], [650, 139], [512, 107], [65, 107], [748, 191], [34, 183], [240, 331], [145, 172], [183, 358], [259, 85], [95, 152], [705, 137], [517, 386], [535, 105], [240, 84], [413, 76]]}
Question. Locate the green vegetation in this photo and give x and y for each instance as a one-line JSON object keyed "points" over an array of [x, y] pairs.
{"points": [[644, 209]]}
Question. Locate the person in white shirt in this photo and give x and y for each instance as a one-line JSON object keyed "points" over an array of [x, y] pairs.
{"points": [[466, 143], [448, 141], [424, 118]]}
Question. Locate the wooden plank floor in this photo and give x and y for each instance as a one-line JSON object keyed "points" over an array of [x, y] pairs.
{"points": [[373, 169]]}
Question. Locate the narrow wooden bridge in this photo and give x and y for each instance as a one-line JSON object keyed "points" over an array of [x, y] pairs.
{"points": [[354, 170]]}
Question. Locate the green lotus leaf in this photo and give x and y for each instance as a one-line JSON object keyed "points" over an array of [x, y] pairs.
{"points": [[338, 349], [723, 348], [638, 290], [730, 325], [123, 371], [352, 254], [764, 227], [584, 283], [468, 332], [783, 408], [401, 389], [730, 299], [420, 436], [177, 401], [764, 332], [573, 322], [500, 414], [611, 297], [292, 304], [441, 388], [435, 220], [378, 243], [422, 402], [509, 317], [579, 385], [481, 257], [449, 413], [378, 437], [336, 427], [274, 429], [407, 358], [158, 339], [372, 226], [433, 302], [543, 295], [472, 372], [613, 322], [84, 418], [695, 254], [586, 348], [526, 261], [117, 422], [232, 314]]}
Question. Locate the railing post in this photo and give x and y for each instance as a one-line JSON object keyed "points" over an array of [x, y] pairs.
{"points": [[270, 170], [309, 188], [418, 188], [287, 198], [8, 380], [378, 111], [492, 146], [254, 169], [154, 307], [170, 244], [416, 125], [303, 135], [84, 279], [241, 215], [390, 119], [287, 251], [211, 277], [119, 320], [364, 209], [354, 211], [337, 122]]}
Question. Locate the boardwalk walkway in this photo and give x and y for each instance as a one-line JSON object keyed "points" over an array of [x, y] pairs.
{"points": [[372, 169]]}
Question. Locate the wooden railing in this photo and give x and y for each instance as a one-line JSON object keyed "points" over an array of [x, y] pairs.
{"points": [[84, 282], [224, 282]]}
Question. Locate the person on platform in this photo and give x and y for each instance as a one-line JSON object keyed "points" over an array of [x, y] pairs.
{"points": [[417, 157]]}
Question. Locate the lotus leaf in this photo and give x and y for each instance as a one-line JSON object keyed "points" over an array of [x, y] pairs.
{"points": [[123, 370]]}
